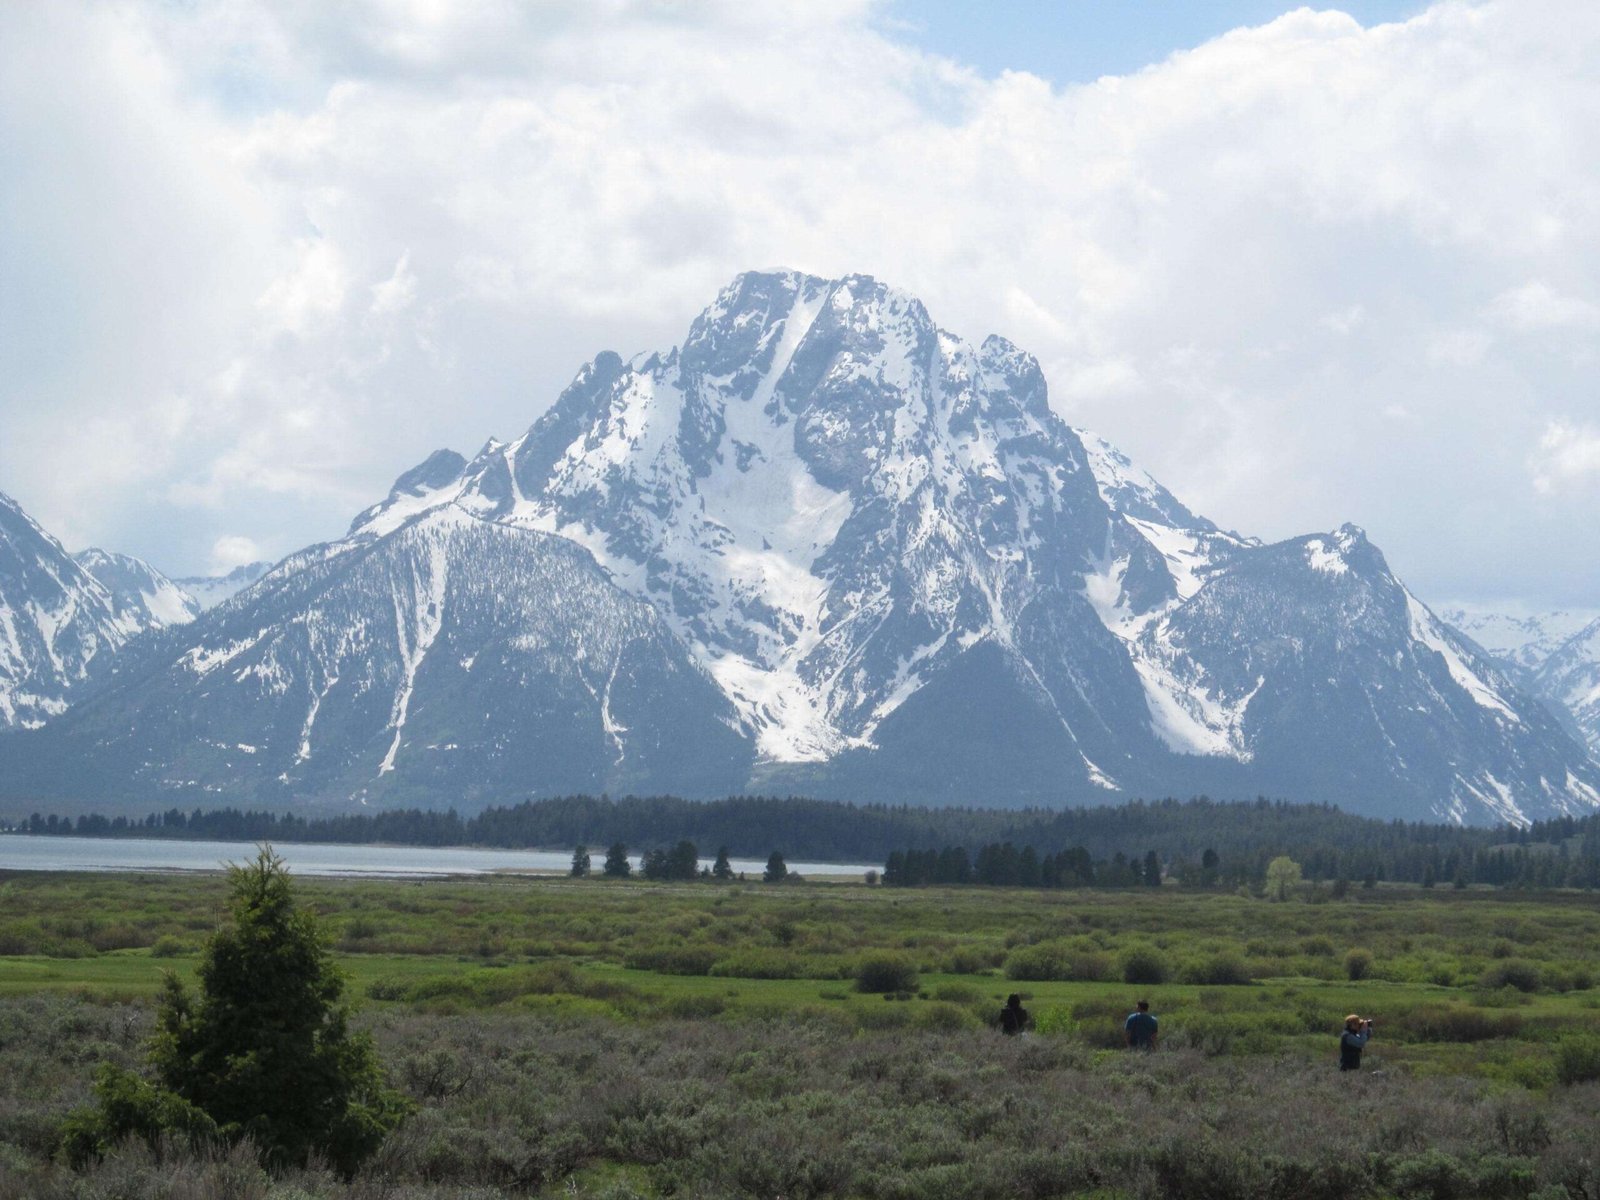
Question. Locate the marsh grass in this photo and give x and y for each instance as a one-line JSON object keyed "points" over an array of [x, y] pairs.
{"points": [[596, 1038]]}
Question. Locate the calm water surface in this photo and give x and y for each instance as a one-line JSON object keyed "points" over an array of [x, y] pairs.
{"points": [[24, 852]]}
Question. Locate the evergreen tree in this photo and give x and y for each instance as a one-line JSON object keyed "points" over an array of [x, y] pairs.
{"points": [[580, 861], [722, 869], [777, 871], [1152, 869], [655, 864], [264, 1051], [683, 861], [617, 865]]}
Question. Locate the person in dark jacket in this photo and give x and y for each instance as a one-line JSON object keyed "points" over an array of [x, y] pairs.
{"points": [[1014, 1019], [1352, 1041], [1141, 1029]]}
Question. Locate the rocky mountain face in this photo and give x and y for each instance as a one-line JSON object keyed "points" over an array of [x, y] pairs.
{"points": [[139, 590], [822, 546], [1570, 677], [59, 615], [453, 658]]}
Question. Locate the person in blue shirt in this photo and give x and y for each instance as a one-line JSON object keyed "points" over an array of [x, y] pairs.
{"points": [[1352, 1041], [1140, 1029]]}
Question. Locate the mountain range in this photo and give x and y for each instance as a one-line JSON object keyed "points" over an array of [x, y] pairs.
{"points": [[1554, 654], [822, 546]]}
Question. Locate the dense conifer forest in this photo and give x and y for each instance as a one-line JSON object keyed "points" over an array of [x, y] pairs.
{"points": [[1200, 841]]}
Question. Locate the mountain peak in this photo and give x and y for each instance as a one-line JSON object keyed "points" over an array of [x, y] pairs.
{"points": [[139, 592], [858, 555]]}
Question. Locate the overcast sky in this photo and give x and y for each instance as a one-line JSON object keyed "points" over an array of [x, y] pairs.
{"points": [[257, 259]]}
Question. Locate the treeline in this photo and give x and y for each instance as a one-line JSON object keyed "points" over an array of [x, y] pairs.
{"points": [[1329, 844], [1547, 864], [1001, 864]]}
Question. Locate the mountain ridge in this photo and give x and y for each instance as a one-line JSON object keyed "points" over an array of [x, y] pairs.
{"points": [[902, 576]]}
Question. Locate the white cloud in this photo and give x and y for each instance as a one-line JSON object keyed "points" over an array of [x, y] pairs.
{"points": [[1568, 456], [1536, 305], [1459, 347], [233, 551], [1345, 321], [274, 253]]}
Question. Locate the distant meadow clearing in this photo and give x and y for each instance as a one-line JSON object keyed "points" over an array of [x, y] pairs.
{"points": [[609, 1038]]}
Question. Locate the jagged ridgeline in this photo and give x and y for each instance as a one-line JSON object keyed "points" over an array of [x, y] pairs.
{"points": [[821, 547]]}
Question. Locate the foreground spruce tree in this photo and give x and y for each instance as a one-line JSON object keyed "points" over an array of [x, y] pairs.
{"points": [[265, 1050]]}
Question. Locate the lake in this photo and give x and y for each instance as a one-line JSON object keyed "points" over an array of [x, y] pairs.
{"points": [[27, 852]]}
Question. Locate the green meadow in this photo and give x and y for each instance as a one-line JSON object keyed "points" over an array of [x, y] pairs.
{"points": [[624, 1038]]}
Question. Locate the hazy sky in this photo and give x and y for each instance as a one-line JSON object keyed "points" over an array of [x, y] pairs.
{"points": [[257, 259]]}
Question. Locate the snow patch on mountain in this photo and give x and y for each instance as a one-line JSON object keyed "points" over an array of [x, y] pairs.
{"points": [[1431, 632], [1518, 634], [418, 617], [1188, 716], [57, 619], [208, 591], [1570, 676], [138, 590]]}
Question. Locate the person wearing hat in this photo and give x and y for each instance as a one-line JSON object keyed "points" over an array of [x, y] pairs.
{"points": [[1352, 1041]]}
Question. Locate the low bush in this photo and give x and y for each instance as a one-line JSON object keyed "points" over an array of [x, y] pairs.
{"points": [[129, 1106], [1446, 1023], [694, 1007], [1357, 964], [1517, 973], [674, 960], [1218, 969], [885, 973], [778, 964], [1143, 965], [969, 960], [1578, 1059], [167, 946], [1058, 961], [944, 1017]]}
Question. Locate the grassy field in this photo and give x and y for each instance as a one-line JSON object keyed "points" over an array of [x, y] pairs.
{"points": [[714, 1040]]}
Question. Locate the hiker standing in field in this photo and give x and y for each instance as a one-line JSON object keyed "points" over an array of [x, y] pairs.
{"points": [[1014, 1019], [1140, 1029], [1352, 1041]]}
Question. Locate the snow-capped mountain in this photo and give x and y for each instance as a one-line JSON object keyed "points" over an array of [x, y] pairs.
{"points": [[208, 591], [1570, 677], [452, 657], [139, 590], [1525, 638], [1554, 654], [845, 552], [56, 618]]}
